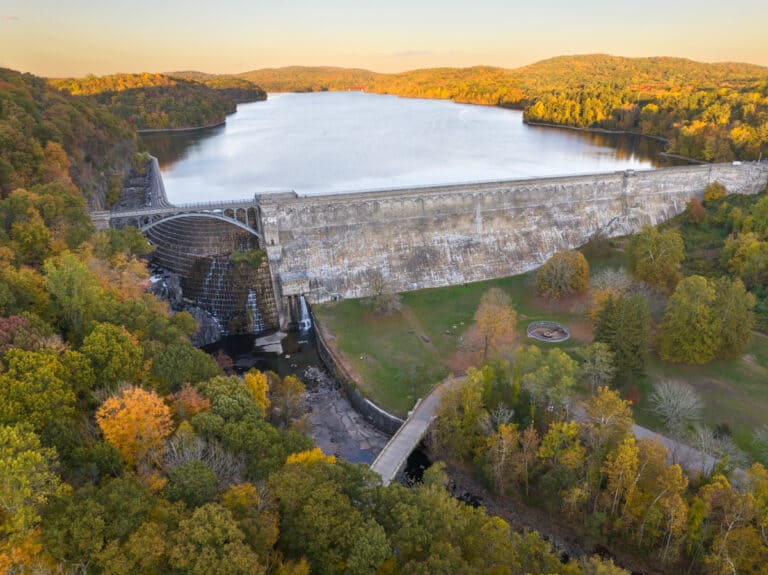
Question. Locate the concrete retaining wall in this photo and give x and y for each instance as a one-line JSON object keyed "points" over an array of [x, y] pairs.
{"points": [[381, 419], [340, 246]]}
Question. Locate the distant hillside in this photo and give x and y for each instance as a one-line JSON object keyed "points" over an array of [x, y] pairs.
{"points": [[714, 112], [48, 137], [310, 79], [157, 101], [237, 88]]}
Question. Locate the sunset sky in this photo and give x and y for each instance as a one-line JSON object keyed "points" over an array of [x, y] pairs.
{"points": [[78, 37]]}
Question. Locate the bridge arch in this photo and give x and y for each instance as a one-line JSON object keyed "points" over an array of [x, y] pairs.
{"points": [[209, 215]]}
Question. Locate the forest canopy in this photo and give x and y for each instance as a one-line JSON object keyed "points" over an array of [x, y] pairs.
{"points": [[157, 101]]}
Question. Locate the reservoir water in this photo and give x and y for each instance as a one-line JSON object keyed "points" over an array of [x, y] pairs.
{"points": [[344, 141]]}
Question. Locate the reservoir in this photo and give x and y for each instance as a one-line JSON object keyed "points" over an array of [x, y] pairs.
{"points": [[330, 142]]}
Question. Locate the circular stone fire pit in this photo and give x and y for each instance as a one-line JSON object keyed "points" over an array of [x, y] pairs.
{"points": [[549, 331]]}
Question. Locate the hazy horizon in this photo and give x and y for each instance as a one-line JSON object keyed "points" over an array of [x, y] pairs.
{"points": [[77, 37]]}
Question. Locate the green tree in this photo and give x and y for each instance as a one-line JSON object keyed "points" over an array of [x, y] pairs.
{"points": [[28, 478], [34, 389], [180, 363], [597, 367], [114, 354], [654, 256], [210, 542], [77, 298], [550, 377], [734, 308], [706, 319], [457, 430], [623, 324], [690, 328], [194, 483]]}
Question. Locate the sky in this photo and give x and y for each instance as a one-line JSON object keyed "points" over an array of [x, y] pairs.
{"points": [[57, 38]]}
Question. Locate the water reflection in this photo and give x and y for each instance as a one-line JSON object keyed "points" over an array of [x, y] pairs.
{"points": [[341, 141]]}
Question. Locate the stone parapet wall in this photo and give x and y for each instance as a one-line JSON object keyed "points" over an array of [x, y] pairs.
{"points": [[443, 235]]}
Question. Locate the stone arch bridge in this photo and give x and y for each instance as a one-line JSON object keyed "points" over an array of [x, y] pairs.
{"points": [[350, 245]]}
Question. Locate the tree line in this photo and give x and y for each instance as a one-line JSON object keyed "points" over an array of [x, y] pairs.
{"points": [[157, 101]]}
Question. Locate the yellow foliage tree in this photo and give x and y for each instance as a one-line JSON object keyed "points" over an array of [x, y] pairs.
{"points": [[496, 322], [137, 423], [258, 383], [310, 457]]}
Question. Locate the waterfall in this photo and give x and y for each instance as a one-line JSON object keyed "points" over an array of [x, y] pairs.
{"points": [[211, 296], [257, 320], [305, 323]]}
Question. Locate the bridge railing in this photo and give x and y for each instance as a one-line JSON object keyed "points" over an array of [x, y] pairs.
{"points": [[212, 205]]}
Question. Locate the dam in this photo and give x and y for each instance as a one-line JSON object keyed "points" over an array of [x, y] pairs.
{"points": [[349, 245]]}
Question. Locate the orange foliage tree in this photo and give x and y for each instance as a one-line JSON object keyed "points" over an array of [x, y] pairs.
{"points": [[137, 423]]}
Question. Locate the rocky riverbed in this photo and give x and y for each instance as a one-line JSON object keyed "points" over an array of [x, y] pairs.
{"points": [[334, 424]]}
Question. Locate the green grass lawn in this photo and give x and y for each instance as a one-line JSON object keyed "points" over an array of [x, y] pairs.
{"points": [[734, 391]]}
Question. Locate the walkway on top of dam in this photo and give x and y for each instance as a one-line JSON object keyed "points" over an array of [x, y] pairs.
{"points": [[394, 455]]}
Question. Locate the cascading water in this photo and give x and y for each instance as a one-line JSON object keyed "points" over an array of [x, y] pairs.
{"points": [[257, 320], [210, 296], [305, 323]]}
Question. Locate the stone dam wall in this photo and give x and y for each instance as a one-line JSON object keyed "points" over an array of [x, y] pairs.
{"points": [[342, 246]]}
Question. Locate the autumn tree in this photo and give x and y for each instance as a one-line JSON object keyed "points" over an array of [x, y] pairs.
{"points": [[655, 511], [258, 384], [137, 423], [511, 456], [496, 322], [457, 430], [287, 399], [654, 256], [624, 325], [695, 211], [563, 274], [746, 256], [714, 191]]}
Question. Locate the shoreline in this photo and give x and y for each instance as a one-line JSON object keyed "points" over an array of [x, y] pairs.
{"points": [[180, 130], [603, 131]]}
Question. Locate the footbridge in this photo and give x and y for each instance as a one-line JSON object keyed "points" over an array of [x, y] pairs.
{"points": [[393, 457]]}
